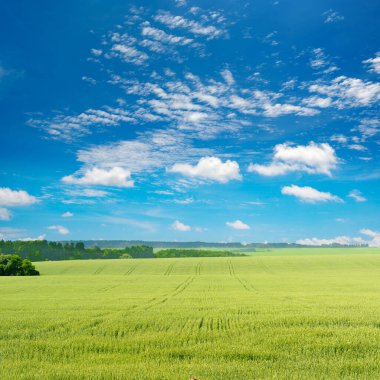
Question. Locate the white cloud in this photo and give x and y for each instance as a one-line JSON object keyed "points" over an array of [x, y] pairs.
{"points": [[67, 214], [349, 92], [228, 77], [90, 193], [4, 214], [179, 226], [276, 110], [184, 201], [151, 151], [14, 198], [195, 27], [341, 139], [357, 195], [68, 128], [332, 16], [209, 168], [369, 128], [346, 240], [115, 176], [375, 235], [312, 158], [180, 3], [341, 240], [40, 237], [373, 63], [128, 53], [163, 37], [238, 225], [316, 101], [60, 229], [357, 147], [96, 52], [309, 194]]}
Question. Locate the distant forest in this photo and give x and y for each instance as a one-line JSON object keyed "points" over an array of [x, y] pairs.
{"points": [[198, 244], [42, 250]]}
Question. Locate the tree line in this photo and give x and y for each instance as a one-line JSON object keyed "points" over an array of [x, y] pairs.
{"points": [[42, 250], [169, 253]]}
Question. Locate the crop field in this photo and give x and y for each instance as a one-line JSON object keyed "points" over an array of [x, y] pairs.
{"points": [[288, 314]]}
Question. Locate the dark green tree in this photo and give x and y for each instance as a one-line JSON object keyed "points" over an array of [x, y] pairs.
{"points": [[14, 265]]}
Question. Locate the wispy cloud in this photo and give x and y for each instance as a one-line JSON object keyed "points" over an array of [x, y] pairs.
{"points": [[60, 229], [346, 92], [357, 196], [332, 16], [373, 64], [212, 26], [5, 214]]}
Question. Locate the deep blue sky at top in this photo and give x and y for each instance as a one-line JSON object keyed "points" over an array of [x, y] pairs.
{"points": [[148, 86]]}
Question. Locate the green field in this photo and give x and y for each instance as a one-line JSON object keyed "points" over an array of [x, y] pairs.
{"points": [[285, 314]]}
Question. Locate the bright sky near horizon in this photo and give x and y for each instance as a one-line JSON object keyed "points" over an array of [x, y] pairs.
{"points": [[190, 120]]}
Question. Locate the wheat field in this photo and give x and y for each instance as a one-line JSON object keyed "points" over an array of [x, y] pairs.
{"points": [[277, 315]]}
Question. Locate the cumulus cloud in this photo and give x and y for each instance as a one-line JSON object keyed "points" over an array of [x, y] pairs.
{"points": [[209, 168], [179, 226], [115, 176], [309, 194], [238, 225], [373, 63], [5, 214], [14, 198], [60, 229], [357, 195], [312, 158], [67, 214]]}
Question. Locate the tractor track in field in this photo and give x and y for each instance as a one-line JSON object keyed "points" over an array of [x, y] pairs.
{"points": [[65, 270], [99, 270], [169, 269], [107, 288], [130, 270], [247, 286], [178, 290]]}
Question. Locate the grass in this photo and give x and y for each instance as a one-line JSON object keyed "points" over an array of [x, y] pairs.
{"points": [[285, 314]]}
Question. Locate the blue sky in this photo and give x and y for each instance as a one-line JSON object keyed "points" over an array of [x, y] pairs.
{"points": [[182, 120]]}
